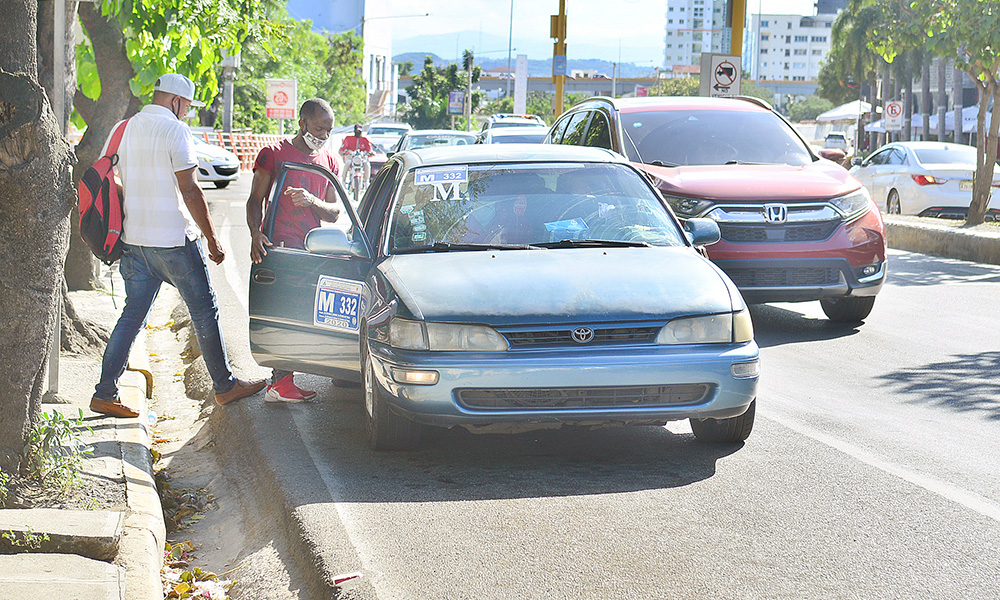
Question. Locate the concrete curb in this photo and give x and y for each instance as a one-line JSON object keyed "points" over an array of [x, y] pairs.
{"points": [[939, 237]]}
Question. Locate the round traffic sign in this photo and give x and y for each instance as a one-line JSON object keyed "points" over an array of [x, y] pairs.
{"points": [[281, 98], [725, 73], [893, 109]]}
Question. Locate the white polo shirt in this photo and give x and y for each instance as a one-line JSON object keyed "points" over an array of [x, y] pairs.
{"points": [[154, 147]]}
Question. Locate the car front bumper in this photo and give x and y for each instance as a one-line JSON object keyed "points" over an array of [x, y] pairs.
{"points": [[547, 386], [217, 170]]}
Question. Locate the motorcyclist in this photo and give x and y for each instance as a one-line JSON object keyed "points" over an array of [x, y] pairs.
{"points": [[347, 148]]}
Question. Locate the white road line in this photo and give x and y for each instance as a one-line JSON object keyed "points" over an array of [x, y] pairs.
{"points": [[970, 500], [231, 269]]}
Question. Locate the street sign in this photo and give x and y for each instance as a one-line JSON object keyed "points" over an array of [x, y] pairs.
{"points": [[559, 65], [281, 98], [456, 102], [893, 112], [641, 91], [720, 75]]}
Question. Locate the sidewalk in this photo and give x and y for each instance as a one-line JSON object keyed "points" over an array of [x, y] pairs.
{"points": [[111, 553]]}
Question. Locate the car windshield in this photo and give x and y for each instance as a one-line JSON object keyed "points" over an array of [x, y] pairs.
{"points": [[516, 205], [947, 155], [516, 123], [386, 131], [414, 142], [714, 137]]}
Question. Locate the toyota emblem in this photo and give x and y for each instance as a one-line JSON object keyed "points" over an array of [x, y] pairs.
{"points": [[775, 214], [583, 335]]}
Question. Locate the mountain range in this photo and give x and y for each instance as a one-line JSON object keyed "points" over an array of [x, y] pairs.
{"points": [[536, 68]]}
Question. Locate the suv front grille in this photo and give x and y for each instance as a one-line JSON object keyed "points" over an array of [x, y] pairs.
{"points": [[554, 338], [812, 232], [586, 397], [783, 277]]}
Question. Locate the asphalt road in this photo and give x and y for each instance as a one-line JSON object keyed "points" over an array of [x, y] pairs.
{"points": [[871, 471]]}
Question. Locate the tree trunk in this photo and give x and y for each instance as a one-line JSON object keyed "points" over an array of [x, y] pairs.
{"points": [[925, 99], [115, 71], [986, 151], [35, 199], [956, 91], [942, 103]]}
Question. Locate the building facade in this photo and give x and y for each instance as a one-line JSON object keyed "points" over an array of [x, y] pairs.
{"points": [[694, 27], [788, 47]]}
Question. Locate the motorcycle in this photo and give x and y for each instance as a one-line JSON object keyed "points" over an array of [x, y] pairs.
{"points": [[356, 183]]}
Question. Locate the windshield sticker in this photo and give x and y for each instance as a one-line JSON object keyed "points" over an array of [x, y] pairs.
{"points": [[441, 175], [419, 236], [603, 209], [407, 209], [339, 304], [417, 218]]}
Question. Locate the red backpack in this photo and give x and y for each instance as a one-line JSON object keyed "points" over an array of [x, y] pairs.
{"points": [[101, 204]]}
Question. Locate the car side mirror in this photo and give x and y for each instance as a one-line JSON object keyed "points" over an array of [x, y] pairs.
{"points": [[702, 232], [856, 161], [333, 241]]}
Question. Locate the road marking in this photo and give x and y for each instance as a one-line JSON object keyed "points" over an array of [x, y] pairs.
{"points": [[970, 500], [230, 268]]}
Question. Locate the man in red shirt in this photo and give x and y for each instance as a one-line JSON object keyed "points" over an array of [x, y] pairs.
{"points": [[349, 145], [305, 201]]}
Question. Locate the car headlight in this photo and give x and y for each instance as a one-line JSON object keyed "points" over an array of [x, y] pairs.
{"points": [[687, 207], [422, 335], [709, 329], [853, 204]]}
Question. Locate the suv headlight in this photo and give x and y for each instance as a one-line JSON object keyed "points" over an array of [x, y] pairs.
{"points": [[853, 204], [709, 329], [687, 207], [423, 335]]}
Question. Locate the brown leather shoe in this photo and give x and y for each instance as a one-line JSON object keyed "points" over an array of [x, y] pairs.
{"points": [[242, 389], [112, 408]]}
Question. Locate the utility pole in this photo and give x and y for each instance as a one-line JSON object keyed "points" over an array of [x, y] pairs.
{"points": [[467, 60], [736, 20], [557, 31]]}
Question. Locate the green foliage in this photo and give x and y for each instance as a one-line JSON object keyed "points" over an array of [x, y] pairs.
{"points": [[538, 103], [675, 86], [749, 88], [29, 540], [428, 105], [808, 108], [55, 448], [4, 487], [852, 54], [405, 68]]}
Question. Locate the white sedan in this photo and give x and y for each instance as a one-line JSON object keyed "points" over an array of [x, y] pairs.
{"points": [[929, 179], [215, 163]]}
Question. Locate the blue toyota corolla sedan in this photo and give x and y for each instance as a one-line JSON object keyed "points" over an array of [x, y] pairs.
{"points": [[507, 287]]}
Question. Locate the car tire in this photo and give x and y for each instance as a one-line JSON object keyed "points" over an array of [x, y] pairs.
{"points": [[221, 184], [892, 204], [386, 430], [725, 431], [848, 310]]}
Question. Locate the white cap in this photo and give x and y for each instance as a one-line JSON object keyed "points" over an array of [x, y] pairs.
{"points": [[175, 83]]}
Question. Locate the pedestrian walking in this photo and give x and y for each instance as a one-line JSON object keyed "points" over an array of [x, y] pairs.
{"points": [[165, 217], [305, 202]]}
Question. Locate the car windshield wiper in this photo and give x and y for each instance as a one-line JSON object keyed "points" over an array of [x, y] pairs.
{"points": [[449, 247], [593, 244], [660, 163]]}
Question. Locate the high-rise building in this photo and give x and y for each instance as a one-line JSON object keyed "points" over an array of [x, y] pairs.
{"points": [[694, 27], [788, 47]]}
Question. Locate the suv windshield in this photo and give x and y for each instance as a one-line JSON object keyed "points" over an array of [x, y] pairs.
{"points": [[714, 137], [515, 205]]}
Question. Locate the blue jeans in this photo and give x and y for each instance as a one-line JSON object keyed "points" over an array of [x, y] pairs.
{"points": [[144, 268]]}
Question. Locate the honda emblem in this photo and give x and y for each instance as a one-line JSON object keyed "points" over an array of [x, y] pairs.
{"points": [[775, 214]]}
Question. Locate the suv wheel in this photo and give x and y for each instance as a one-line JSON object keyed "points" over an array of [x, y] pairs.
{"points": [[848, 310], [725, 431]]}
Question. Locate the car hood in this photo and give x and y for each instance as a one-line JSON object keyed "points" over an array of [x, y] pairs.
{"points": [[742, 183], [558, 286], [210, 152]]}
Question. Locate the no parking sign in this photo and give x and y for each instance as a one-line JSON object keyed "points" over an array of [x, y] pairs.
{"points": [[893, 116]]}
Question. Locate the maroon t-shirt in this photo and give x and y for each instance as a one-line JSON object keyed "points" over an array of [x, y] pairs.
{"points": [[351, 143], [293, 222]]}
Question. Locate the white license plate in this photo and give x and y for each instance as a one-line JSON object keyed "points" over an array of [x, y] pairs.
{"points": [[965, 186]]}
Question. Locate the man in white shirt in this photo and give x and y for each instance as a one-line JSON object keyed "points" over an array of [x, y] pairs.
{"points": [[164, 211]]}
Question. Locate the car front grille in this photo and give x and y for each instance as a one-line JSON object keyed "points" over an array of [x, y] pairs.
{"points": [[555, 338], [586, 397], [783, 277], [226, 171], [812, 232]]}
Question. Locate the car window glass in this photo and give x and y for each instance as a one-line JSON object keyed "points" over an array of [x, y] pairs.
{"points": [[379, 199], [365, 207], [527, 204], [555, 136], [947, 155], [896, 157], [714, 137], [575, 128], [599, 134], [286, 224]]}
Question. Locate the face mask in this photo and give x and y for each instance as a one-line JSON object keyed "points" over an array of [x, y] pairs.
{"points": [[312, 141]]}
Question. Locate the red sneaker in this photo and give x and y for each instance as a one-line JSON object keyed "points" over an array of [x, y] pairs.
{"points": [[285, 390]]}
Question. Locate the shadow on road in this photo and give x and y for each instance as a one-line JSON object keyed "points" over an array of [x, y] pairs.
{"points": [[965, 384], [907, 269], [774, 326]]}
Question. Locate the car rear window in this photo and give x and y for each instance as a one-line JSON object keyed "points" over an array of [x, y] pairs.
{"points": [[714, 137], [527, 138], [528, 203], [961, 155], [415, 142]]}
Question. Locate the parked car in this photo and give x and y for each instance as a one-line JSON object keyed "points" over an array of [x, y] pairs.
{"points": [[929, 179], [837, 140], [514, 135], [795, 227], [433, 138], [504, 120], [215, 163], [501, 287], [386, 134]]}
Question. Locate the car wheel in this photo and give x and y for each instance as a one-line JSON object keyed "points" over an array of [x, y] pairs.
{"points": [[725, 431], [386, 430], [848, 310], [221, 184], [892, 204]]}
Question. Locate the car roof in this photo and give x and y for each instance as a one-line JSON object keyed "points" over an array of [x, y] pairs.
{"points": [[399, 126], [413, 132], [654, 103], [487, 153]]}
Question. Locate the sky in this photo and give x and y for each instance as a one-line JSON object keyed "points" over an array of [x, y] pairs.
{"points": [[597, 25]]}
